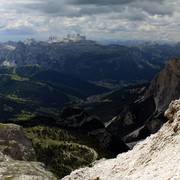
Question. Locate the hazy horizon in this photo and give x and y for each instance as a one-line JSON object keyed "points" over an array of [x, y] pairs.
{"points": [[101, 41]]}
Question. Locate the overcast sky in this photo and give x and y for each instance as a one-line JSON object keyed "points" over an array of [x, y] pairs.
{"points": [[97, 19]]}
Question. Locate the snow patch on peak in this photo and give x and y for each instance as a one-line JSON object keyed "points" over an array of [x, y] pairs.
{"points": [[9, 47], [8, 63], [157, 157], [68, 38], [29, 41]]}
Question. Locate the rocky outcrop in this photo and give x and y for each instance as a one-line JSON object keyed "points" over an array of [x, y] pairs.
{"points": [[166, 85], [78, 118], [157, 157], [17, 156], [146, 113], [132, 117], [164, 88], [81, 121], [22, 170], [14, 143], [131, 123]]}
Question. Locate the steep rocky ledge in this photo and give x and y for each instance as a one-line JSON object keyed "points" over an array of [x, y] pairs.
{"points": [[17, 156], [157, 157], [165, 87], [146, 113], [80, 120]]}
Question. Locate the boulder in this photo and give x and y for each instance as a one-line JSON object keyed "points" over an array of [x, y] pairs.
{"points": [[17, 156]]}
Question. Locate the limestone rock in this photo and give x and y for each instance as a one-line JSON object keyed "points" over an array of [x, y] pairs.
{"points": [[17, 156], [14, 143], [22, 170], [165, 87], [157, 157], [148, 111]]}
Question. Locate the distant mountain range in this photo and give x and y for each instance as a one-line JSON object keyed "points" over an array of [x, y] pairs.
{"points": [[89, 60]]}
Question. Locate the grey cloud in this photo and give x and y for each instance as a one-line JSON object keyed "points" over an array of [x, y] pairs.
{"points": [[92, 10], [95, 17], [60, 8], [154, 7], [48, 7], [128, 13], [77, 8], [109, 2], [101, 2]]}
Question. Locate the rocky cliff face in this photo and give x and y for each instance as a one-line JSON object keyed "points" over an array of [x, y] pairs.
{"points": [[17, 156], [165, 87], [14, 143], [80, 120], [157, 157], [146, 113]]}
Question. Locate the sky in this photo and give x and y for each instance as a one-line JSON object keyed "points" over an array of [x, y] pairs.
{"points": [[99, 20]]}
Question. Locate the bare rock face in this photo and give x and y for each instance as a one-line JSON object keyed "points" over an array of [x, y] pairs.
{"points": [[80, 120], [17, 156], [157, 157], [14, 143], [173, 115], [22, 170], [147, 113], [165, 87]]}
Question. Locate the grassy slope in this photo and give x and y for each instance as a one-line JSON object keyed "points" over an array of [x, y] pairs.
{"points": [[29, 90], [63, 151]]}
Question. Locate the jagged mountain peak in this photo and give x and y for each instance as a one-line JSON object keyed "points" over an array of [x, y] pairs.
{"points": [[157, 157], [29, 41], [68, 38], [166, 85]]}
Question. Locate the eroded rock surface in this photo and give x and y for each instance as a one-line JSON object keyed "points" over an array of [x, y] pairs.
{"points": [[157, 157], [80, 120], [14, 143], [146, 114], [17, 156], [165, 86]]}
